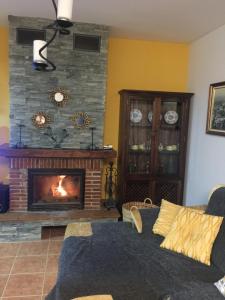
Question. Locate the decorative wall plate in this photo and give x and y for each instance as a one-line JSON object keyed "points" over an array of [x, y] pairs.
{"points": [[59, 96], [81, 120], [171, 117], [150, 116], [41, 119], [135, 115]]}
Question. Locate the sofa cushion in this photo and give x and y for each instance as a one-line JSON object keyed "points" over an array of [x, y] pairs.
{"points": [[149, 216], [218, 250], [216, 205], [193, 235]]}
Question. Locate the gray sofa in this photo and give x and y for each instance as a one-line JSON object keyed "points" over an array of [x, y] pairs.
{"points": [[117, 260]]}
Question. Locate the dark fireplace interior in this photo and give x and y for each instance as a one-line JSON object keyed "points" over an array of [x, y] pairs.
{"points": [[55, 189]]}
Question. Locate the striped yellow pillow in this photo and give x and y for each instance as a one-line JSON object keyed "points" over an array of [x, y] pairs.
{"points": [[167, 214], [193, 234]]}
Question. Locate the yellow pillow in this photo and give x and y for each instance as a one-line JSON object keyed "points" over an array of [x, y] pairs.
{"points": [[136, 216], [193, 234], [168, 212]]}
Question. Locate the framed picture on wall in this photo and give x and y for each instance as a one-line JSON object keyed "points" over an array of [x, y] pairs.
{"points": [[216, 109]]}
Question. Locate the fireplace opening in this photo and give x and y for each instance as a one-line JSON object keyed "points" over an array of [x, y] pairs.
{"points": [[55, 189]]}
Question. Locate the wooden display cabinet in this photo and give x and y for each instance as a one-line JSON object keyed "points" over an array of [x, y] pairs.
{"points": [[152, 145]]}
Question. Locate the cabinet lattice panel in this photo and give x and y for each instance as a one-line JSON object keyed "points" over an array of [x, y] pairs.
{"points": [[166, 191], [137, 191]]}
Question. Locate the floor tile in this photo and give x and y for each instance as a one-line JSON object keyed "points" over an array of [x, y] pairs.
{"points": [[8, 249], [55, 247], [24, 285], [29, 264], [3, 280], [33, 248], [6, 264], [52, 263], [57, 233], [50, 280]]}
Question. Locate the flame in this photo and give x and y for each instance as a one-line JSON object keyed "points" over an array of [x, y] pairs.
{"points": [[59, 190]]}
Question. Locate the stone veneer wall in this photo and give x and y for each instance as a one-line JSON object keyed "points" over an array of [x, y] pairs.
{"points": [[81, 73]]}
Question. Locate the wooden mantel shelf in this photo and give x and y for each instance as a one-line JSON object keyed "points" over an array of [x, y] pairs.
{"points": [[57, 153]]}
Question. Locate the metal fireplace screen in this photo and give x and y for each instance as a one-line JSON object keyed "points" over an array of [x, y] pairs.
{"points": [[55, 189]]}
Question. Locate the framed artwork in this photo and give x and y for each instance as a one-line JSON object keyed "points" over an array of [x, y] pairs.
{"points": [[216, 109]]}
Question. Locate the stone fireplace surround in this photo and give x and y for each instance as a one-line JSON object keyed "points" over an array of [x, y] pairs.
{"points": [[20, 160], [83, 75]]}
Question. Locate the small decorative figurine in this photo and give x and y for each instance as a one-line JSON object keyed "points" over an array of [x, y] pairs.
{"points": [[56, 140]]}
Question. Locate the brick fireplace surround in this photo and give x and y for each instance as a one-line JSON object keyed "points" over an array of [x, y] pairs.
{"points": [[20, 160]]}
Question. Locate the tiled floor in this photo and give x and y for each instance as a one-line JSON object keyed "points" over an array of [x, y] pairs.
{"points": [[28, 270]]}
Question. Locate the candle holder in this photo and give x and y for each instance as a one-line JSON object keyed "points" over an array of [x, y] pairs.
{"points": [[63, 14], [20, 144], [92, 146]]}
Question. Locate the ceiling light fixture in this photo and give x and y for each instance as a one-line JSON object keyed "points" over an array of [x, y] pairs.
{"points": [[63, 21]]}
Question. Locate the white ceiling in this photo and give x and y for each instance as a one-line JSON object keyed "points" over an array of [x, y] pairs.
{"points": [[165, 20]]}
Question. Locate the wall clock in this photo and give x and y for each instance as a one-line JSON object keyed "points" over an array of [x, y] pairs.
{"points": [[41, 119], [81, 120], [59, 97]]}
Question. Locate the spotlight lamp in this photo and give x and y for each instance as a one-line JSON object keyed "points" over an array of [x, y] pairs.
{"points": [[60, 26]]}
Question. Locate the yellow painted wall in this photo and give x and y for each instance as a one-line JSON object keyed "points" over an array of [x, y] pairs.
{"points": [[144, 65], [4, 99]]}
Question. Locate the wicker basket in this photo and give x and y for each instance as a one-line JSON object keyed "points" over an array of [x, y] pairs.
{"points": [[147, 203]]}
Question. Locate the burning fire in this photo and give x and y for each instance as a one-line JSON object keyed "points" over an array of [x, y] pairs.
{"points": [[58, 190]]}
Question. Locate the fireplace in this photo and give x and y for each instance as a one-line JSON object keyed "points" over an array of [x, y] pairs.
{"points": [[55, 189], [58, 162]]}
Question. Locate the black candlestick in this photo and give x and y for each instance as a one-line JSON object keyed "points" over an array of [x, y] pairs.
{"points": [[92, 146], [20, 144]]}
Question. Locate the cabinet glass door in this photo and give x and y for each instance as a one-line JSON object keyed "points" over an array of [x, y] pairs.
{"points": [[169, 137], [140, 134]]}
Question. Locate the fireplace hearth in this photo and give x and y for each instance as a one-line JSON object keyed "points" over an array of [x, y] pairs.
{"points": [[55, 189]]}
